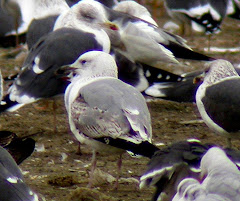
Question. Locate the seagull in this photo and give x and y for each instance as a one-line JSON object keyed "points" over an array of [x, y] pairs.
{"points": [[11, 180], [217, 99], [220, 180], [147, 43], [203, 15], [104, 112], [171, 164], [44, 22]]}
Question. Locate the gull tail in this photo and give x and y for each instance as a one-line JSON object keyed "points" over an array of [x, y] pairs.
{"points": [[144, 148], [8, 105], [170, 86], [185, 53]]}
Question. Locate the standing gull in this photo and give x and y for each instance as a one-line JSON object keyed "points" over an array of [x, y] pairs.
{"points": [[218, 98], [104, 112]]}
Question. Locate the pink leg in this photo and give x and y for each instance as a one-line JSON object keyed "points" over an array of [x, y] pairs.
{"points": [[119, 172], [93, 167]]}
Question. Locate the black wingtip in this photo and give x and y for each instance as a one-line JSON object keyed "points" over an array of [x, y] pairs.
{"points": [[144, 148], [185, 53], [7, 104]]}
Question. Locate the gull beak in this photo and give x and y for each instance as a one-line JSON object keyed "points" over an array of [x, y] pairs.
{"points": [[66, 72], [198, 79], [111, 25], [68, 67]]}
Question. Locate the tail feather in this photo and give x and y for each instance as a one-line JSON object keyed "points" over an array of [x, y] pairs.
{"points": [[177, 88], [144, 148], [185, 53], [8, 105], [154, 75]]}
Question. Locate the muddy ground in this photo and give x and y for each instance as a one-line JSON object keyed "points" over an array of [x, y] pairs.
{"points": [[55, 171]]}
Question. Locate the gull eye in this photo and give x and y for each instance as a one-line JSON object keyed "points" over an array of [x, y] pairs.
{"points": [[88, 14], [83, 62]]}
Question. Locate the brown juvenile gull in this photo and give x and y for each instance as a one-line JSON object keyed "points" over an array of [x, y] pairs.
{"points": [[218, 98], [104, 112]]}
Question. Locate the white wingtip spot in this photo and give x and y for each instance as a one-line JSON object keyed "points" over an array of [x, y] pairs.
{"points": [[12, 180], [193, 140], [148, 74], [168, 77], [195, 170], [159, 76], [36, 68]]}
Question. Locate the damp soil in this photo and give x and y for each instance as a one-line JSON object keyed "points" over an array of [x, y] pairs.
{"points": [[56, 172]]}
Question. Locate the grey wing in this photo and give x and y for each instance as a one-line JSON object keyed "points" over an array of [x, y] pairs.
{"points": [[39, 77], [110, 109], [221, 102]]}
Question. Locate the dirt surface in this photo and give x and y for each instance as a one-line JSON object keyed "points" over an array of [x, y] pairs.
{"points": [[55, 171]]}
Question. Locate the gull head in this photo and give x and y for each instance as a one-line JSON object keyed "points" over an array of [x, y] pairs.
{"points": [[95, 64], [218, 70]]}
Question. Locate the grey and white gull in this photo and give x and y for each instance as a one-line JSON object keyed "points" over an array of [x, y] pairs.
{"points": [[104, 112]]}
